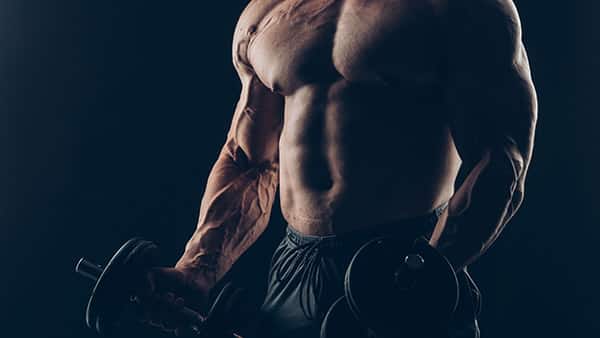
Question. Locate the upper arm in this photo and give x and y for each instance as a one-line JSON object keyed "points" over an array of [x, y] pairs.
{"points": [[258, 117], [256, 122], [491, 93], [251, 147]]}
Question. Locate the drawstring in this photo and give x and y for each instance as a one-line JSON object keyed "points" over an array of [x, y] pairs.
{"points": [[305, 256], [310, 255]]}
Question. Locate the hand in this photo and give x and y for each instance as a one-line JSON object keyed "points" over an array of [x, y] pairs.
{"points": [[165, 291]]}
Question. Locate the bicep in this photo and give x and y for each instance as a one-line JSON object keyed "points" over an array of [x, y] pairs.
{"points": [[258, 117], [251, 146], [499, 111], [256, 122], [492, 97]]}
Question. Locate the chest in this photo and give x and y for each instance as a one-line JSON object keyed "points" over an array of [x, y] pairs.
{"points": [[292, 43]]}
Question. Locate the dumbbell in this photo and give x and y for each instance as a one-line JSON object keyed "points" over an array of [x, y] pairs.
{"points": [[110, 304], [394, 288]]}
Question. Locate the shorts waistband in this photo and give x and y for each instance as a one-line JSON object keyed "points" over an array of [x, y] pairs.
{"points": [[410, 228]]}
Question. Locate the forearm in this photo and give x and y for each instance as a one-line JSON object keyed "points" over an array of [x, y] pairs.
{"points": [[485, 202], [234, 212]]}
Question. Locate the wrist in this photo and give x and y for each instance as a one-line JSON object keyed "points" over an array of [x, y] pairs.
{"points": [[461, 254], [201, 276]]}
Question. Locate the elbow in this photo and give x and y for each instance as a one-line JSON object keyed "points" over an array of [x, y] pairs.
{"points": [[247, 159], [507, 165], [508, 160]]}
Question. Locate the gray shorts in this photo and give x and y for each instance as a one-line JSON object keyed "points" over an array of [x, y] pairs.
{"points": [[307, 272]]}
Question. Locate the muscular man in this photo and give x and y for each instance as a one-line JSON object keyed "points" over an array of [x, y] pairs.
{"points": [[362, 113]]}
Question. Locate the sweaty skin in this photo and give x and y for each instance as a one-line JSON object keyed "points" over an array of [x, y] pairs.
{"points": [[362, 112]]}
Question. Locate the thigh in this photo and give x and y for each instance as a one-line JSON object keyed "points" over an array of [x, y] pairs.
{"points": [[302, 286]]}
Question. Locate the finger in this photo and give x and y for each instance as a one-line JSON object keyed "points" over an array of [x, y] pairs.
{"points": [[146, 290], [182, 320], [182, 332], [152, 308], [169, 299], [172, 280], [186, 331], [167, 311], [153, 323], [148, 295], [179, 303]]}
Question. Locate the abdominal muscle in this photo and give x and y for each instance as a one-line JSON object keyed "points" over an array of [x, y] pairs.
{"points": [[354, 156]]}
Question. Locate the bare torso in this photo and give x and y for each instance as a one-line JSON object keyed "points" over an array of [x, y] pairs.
{"points": [[366, 136]]}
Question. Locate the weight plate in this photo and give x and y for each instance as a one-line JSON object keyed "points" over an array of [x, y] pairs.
{"points": [[340, 322], [376, 299], [218, 319], [114, 287]]}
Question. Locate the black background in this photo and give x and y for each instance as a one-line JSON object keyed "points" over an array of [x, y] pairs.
{"points": [[112, 112]]}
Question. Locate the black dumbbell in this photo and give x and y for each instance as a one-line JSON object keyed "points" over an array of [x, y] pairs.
{"points": [[110, 304], [394, 288]]}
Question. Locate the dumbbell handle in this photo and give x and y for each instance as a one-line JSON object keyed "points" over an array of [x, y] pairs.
{"points": [[88, 269], [406, 274], [93, 271]]}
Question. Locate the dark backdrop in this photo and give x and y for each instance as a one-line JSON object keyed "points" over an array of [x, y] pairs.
{"points": [[112, 112]]}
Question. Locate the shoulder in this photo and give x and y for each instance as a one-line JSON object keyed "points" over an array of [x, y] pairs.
{"points": [[488, 29], [252, 16], [254, 12], [482, 12], [245, 28]]}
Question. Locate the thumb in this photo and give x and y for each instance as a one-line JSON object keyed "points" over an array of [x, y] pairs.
{"points": [[181, 284], [168, 279]]}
